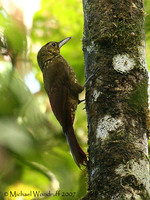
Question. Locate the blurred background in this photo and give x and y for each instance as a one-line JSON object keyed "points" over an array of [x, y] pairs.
{"points": [[34, 154]]}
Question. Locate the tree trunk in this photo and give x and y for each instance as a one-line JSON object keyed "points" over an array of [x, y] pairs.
{"points": [[116, 99]]}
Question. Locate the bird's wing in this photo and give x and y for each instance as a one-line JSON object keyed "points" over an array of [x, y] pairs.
{"points": [[58, 91], [64, 104], [58, 100], [64, 109]]}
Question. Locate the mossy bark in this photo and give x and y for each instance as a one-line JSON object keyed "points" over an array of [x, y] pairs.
{"points": [[116, 99]]}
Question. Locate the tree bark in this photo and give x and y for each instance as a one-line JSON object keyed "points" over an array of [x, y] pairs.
{"points": [[116, 99]]}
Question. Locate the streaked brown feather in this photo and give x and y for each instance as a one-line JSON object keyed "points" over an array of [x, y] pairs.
{"points": [[61, 85]]}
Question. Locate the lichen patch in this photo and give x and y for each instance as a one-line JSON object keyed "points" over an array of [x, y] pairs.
{"points": [[93, 173], [142, 54], [138, 169], [123, 63], [107, 124], [96, 95], [90, 48]]}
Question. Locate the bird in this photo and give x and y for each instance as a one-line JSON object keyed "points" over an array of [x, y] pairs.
{"points": [[63, 89]]}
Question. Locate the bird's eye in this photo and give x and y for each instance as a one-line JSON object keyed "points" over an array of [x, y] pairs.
{"points": [[53, 44]]}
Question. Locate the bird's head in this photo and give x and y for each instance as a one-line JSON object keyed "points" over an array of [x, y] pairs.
{"points": [[49, 51]]}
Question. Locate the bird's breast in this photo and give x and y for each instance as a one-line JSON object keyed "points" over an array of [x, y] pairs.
{"points": [[54, 74]]}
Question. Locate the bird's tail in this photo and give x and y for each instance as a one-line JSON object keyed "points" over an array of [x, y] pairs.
{"points": [[77, 153]]}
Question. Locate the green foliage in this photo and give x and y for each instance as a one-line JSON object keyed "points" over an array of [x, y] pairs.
{"points": [[31, 138], [27, 133], [14, 34], [55, 21]]}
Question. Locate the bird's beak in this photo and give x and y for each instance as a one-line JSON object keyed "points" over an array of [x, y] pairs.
{"points": [[62, 42]]}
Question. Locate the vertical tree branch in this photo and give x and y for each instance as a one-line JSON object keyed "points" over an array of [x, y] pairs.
{"points": [[116, 99]]}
